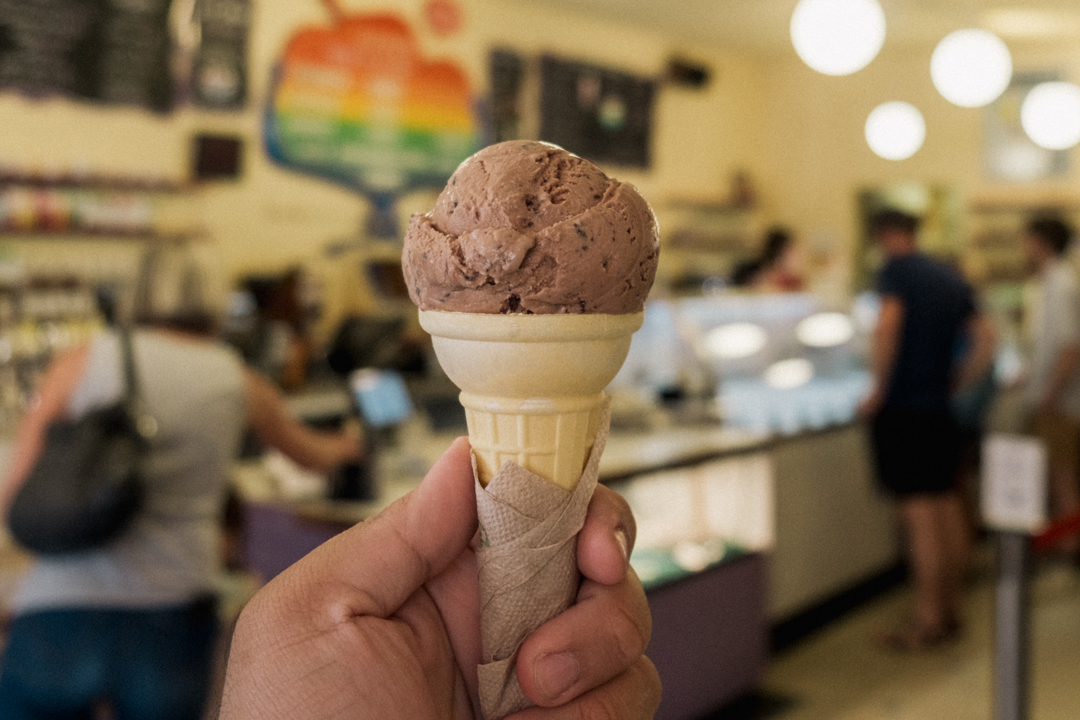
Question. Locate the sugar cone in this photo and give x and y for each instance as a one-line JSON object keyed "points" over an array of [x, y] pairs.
{"points": [[531, 385]]}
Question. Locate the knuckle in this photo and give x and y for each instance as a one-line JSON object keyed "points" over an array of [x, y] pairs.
{"points": [[601, 707], [635, 695], [650, 680], [631, 636]]}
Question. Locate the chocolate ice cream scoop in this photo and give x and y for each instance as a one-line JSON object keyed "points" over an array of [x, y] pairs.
{"points": [[526, 227]]}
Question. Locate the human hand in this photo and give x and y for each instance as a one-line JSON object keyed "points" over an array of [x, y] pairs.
{"points": [[351, 446], [870, 405], [383, 621]]}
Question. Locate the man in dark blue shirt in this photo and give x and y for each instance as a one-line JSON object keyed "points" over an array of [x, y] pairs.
{"points": [[926, 311]]}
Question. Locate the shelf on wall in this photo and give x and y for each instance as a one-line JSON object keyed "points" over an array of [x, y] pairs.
{"points": [[95, 182], [1025, 201], [89, 236]]}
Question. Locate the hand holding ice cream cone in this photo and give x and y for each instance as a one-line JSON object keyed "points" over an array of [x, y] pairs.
{"points": [[531, 276]]}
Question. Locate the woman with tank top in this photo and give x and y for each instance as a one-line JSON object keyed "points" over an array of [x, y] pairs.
{"points": [[132, 626]]}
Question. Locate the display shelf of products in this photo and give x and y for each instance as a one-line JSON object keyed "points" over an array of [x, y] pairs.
{"points": [[40, 315], [64, 241], [72, 207], [993, 250], [86, 179]]}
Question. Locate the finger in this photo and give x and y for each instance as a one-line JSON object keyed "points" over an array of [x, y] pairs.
{"points": [[595, 640], [633, 695], [456, 593], [607, 537], [385, 559]]}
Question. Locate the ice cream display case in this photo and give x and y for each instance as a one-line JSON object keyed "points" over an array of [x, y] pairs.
{"points": [[784, 373], [774, 363]]}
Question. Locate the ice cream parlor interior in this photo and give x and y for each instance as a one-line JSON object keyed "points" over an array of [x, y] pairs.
{"points": [[294, 140]]}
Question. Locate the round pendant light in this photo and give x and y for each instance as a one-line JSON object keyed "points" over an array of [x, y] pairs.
{"points": [[837, 37], [1050, 115], [971, 68], [895, 130]]}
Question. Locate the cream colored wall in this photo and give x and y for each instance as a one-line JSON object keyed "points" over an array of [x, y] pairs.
{"points": [[273, 217], [815, 158]]}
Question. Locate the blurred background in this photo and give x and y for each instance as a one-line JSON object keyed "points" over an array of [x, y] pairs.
{"points": [[291, 140]]}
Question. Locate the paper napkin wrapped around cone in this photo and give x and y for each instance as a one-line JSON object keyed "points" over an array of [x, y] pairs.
{"points": [[528, 566]]}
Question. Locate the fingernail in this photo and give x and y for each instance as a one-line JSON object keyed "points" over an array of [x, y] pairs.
{"points": [[556, 673], [624, 544]]}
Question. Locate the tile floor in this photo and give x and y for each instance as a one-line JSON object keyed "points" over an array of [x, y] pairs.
{"points": [[839, 674]]}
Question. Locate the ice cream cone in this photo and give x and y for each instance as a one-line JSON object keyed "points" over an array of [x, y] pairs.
{"points": [[531, 385]]}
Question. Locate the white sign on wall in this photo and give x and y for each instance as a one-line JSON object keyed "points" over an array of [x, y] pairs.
{"points": [[1014, 483]]}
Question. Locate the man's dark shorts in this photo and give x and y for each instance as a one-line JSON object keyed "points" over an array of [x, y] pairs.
{"points": [[916, 451]]}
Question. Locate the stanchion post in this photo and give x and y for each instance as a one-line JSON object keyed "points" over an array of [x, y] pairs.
{"points": [[1014, 506], [1011, 627]]}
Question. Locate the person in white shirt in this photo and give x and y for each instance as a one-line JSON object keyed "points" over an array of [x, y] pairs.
{"points": [[1053, 385]]}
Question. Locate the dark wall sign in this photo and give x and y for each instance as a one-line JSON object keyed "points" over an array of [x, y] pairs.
{"points": [[122, 52], [219, 77], [111, 51], [507, 71], [601, 114]]}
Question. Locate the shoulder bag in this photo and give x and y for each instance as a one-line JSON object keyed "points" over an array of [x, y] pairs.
{"points": [[86, 487]]}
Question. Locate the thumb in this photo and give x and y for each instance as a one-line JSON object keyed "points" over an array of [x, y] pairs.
{"points": [[386, 558]]}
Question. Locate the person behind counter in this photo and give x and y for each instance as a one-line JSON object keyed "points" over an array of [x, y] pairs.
{"points": [[926, 308], [133, 624], [775, 269]]}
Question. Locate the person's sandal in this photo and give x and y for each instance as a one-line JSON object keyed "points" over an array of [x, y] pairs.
{"points": [[915, 638]]}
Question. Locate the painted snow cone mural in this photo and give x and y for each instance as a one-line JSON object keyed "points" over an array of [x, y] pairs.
{"points": [[357, 103]]}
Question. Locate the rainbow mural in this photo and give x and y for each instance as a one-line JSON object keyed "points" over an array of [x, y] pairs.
{"points": [[357, 103]]}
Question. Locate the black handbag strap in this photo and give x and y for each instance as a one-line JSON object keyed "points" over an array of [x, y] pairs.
{"points": [[144, 423], [131, 379]]}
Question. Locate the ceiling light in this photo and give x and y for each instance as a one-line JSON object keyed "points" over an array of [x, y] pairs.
{"points": [[789, 374], [837, 37], [1050, 115], [971, 68], [825, 330], [736, 340], [895, 130]]}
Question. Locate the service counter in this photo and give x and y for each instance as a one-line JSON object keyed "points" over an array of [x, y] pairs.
{"points": [[736, 532]]}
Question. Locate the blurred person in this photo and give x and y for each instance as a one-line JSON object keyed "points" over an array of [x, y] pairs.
{"points": [[383, 621], [926, 310], [1052, 390], [746, 273], [774, 269], [780, 262], [132, 626]]}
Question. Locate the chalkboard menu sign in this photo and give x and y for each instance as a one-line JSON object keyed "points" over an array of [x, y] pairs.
{"points": [[601, 114], [111, 51]]}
